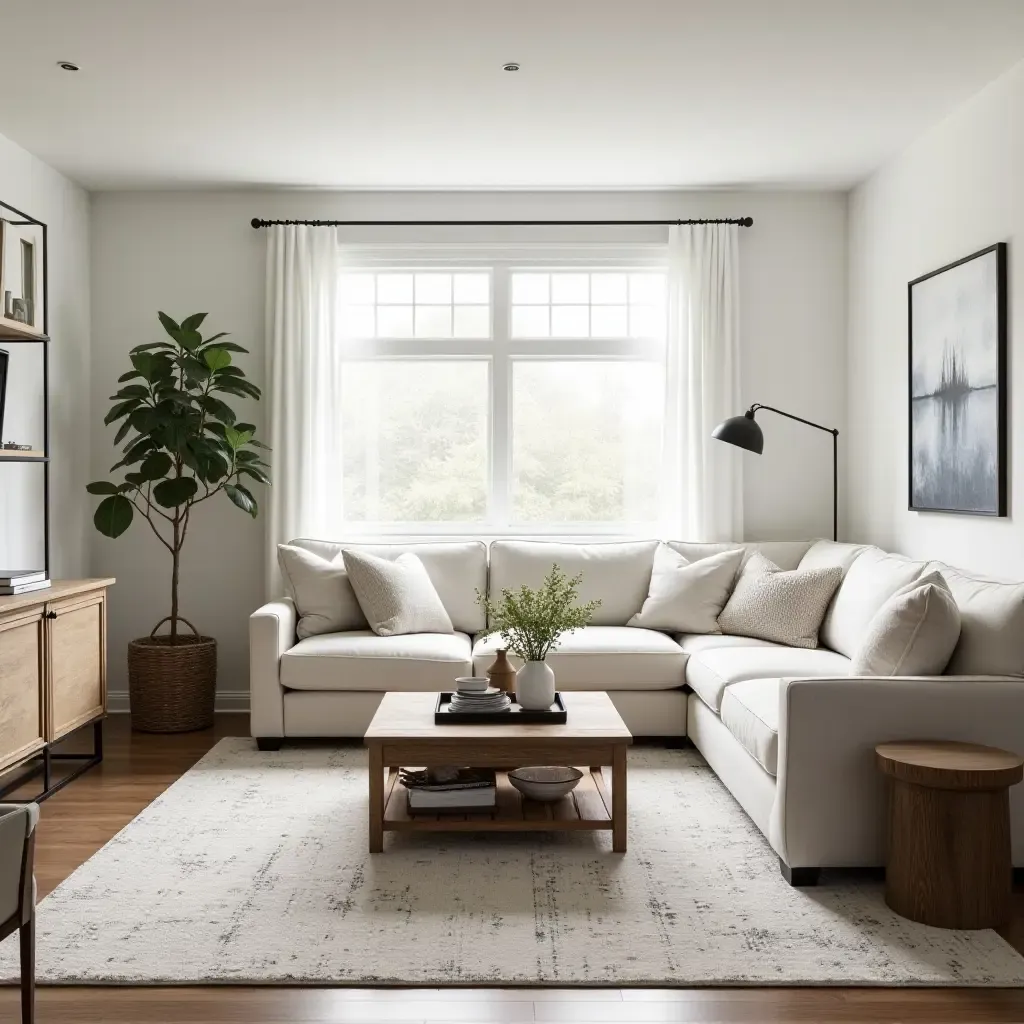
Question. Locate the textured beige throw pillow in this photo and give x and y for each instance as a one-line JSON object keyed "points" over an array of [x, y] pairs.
{"points": [[913, 634], [685, 596], [397, 596], [321, 590], [783, 606]]}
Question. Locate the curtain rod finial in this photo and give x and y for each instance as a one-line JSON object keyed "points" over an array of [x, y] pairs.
{"points": [[746, 222], [256, 222]]}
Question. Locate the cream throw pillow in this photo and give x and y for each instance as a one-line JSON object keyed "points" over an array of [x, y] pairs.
{"points": [[685, 596], [783, 606], [913, 634], [397, 596], [321, 590]]}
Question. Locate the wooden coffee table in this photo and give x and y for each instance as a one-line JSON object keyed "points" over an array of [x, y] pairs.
{"points": [[403, 734]]}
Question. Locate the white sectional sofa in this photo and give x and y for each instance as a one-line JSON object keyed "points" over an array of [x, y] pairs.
{"points": [[788, 730]]}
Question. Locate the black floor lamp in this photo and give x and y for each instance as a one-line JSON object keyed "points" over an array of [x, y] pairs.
{"points": [[744, 432]]}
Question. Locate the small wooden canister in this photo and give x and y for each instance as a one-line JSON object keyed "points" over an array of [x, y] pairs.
{"points": [[501, 674]]}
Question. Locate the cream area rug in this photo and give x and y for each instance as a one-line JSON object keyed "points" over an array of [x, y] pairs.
{"points": [[253, 868]]}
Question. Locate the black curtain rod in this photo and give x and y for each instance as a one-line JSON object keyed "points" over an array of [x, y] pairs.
{"points": [[257, 222]]}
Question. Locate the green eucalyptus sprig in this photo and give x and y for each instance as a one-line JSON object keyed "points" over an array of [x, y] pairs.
{"points": [[183, 442], [531, 622]]}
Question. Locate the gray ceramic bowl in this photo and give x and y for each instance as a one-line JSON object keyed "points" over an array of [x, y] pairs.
{"points": [[545, 782]]}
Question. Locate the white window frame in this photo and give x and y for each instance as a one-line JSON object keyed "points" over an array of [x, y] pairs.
{"points": [[500, 352]]}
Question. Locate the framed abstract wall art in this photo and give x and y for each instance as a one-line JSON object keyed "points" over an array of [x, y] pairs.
{"points": [[958, 387]]}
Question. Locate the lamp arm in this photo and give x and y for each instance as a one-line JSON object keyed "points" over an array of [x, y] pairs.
{"points": [[790, 416]]}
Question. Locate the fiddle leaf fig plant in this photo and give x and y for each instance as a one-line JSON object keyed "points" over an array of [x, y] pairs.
{"points": [[182, 442]]}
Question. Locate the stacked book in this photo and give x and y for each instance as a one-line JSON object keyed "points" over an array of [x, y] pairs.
{"points": [[22, 581], [451, 789]]}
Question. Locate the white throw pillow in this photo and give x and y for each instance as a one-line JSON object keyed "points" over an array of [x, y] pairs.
{"points": [[396, 596], [785, 606], [685, 596], [913, 633], [321, 590]]}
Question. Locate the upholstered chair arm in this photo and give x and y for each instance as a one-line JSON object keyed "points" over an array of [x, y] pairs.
{"points": [[830, 803], [271, 633], [17, 835]]}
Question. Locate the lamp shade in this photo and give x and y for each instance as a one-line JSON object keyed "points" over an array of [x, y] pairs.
{"points": [[741, 431]]}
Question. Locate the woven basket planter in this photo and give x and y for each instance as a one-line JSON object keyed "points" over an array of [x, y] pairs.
{"points": [[172, 687]]}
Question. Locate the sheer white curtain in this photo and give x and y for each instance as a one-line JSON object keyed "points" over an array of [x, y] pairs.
{"points": [[703, 379], [303, 367]]}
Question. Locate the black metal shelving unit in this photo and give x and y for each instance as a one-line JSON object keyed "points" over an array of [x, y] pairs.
{"points": [[42, 762]]}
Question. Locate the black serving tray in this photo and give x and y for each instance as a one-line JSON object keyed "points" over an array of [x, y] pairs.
{"points": [[514, 716]]}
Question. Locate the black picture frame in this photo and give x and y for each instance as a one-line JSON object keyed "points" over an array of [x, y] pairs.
{"points": [[914, 502]]}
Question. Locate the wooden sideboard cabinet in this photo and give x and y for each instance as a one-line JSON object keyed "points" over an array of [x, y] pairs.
{"points": [[53, 672]]}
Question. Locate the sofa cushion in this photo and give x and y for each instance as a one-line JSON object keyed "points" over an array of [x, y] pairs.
{"points": [[687, 596], [991, 624], [604, 658], [361, 660], [786, 554], [824, 554], [872, 578], [457, 569], [913, 633], [616, 574], [321, 590], [695, 643], [711, 672], [786, 606], [750, 711]]}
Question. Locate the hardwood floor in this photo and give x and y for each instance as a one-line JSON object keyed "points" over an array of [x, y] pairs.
{"points": [[81, 818]]}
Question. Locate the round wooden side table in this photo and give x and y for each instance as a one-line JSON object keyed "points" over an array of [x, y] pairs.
{"points": [[948, 859]]}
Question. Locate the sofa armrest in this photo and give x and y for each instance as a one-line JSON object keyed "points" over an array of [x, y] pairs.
{"points": [[271, 633], [830, 803]]}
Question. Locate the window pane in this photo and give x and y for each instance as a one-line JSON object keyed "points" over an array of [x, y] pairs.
{"points": [[608, 322], [570, 288], [570, 321], [394, 321], [433, 288], [646, 322], [586, 441], [357, 322], [394, 288], [530, 287], [433, 321], [607, 289], [647, 289], [472, 288], [415, 441], [472, 322], [530, 322], [354, 289]]}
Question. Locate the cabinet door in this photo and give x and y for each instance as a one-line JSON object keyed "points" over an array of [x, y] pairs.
{"points": [[22, 668], [77, 641]]}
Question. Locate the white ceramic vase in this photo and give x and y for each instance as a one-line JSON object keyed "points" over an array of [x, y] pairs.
{"points": [[535, 686]]}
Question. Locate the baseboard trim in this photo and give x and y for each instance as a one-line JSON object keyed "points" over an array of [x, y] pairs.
{"points": [[226, 700]]}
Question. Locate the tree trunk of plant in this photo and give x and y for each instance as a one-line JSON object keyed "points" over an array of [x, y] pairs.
{"points": [[175, 555]]}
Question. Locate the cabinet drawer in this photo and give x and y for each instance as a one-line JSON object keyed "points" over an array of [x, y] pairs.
{"points": [[76, 640], [22, 717]]}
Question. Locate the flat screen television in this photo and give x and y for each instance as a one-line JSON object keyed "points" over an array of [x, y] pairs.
{"points": [[4, 359]]}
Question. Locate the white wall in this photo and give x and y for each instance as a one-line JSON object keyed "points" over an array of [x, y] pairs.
{"points": [[35, 188], [186, 252], [954, 191]]}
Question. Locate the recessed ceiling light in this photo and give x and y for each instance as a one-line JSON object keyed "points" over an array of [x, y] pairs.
{"points": [[510, 66], [67, 65]]}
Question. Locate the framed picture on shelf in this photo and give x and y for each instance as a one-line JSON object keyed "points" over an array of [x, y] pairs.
{"points": [[21, 277], [958, 387]]}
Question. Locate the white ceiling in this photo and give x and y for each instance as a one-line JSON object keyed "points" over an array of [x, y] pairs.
{"points": [[410, 93]]}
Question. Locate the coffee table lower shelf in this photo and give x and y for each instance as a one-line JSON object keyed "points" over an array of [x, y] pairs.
{"points": [[587, 808]]}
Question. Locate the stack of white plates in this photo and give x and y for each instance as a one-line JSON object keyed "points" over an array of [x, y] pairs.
{"points": [[487, 700]]}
